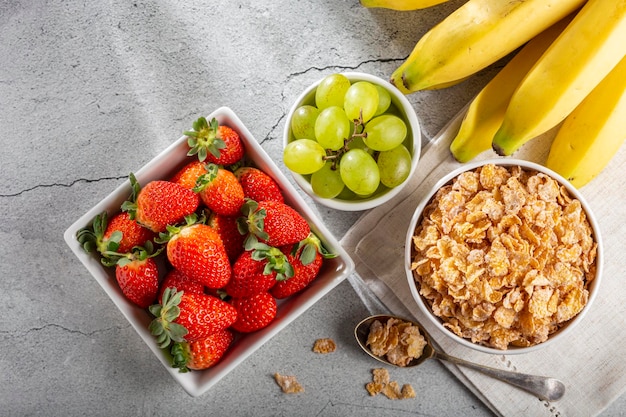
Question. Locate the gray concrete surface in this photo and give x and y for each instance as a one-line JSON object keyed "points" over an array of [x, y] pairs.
{"points": [[90, 91]]}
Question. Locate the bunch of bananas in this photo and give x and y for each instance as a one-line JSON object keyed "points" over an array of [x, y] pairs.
{"points": [[570, 70]]}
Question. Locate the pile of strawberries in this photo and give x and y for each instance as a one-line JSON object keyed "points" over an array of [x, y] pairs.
{"points": [[232, 246]]}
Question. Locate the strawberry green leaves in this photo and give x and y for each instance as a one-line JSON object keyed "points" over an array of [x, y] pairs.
{"points": [[203, 139], [92, 238], [163, 326]]}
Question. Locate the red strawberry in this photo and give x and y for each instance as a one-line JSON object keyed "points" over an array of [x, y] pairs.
{"points": [[273, 222], [133, 234], [257, 270], [201, 354], [257, 185], [306, 258], [254, 312], [181, 282], [119, 235], [197, 251], [226, 227], [214, 143], [160, 203], [189, 174], [138, 276], [220, 190], [187, 317]]}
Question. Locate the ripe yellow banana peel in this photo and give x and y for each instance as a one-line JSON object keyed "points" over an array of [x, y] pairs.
{"points": [[474, 36], [486, 111], [593, 133], [587, 50], [401, 5]]}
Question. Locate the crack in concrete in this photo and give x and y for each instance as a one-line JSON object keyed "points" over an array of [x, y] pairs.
{"points": [[85, 180], [271, 135], [21, 335], [346, 67], [361, 406]]}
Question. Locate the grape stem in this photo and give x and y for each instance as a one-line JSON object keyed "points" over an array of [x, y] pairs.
{"points": [[358, 132]]}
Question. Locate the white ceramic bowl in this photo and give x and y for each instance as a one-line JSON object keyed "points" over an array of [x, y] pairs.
{"points": [[426, 310], [164, 166], [412, 142]]}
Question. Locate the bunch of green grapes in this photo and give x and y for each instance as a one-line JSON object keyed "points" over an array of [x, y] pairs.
{"points": [[347, 139]]}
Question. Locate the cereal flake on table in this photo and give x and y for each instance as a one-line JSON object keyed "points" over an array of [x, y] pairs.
{"points": [[381, 384], [324, 345], [504, 256], [288, 383]]}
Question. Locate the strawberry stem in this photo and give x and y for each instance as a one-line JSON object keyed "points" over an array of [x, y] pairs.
{"points": [[163, 327], [276, 260], [253, 221], [180, 356], [130, 205], [91, 238], [204, 139], [204, 180], [310, 245]]}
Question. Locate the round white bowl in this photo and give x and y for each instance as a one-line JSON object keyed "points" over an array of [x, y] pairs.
{"points": [[512, 350], [412, 142]]}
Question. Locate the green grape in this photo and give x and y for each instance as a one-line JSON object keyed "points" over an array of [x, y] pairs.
{"points": [[357, 142], [347, 194], [304, 156], [361, 96], [332, 127], [385, 132], [303, 122], [394, 166], [359, 172], [326, 182], [331, 90], [384, 100]]}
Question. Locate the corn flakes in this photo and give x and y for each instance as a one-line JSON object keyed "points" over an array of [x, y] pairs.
{"points": [[288, 383], [381, 384], [398, 341], [324, 346], [504, 256]]}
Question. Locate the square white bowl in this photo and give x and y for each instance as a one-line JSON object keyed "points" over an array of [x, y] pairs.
{"points": [[163, 166]]}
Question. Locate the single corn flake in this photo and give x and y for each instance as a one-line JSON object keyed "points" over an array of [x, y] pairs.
{"points": [[380, 375], [374, 388], [289, 384], [324, 346], [407, 391]]}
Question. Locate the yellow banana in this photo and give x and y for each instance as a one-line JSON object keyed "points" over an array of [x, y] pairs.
{"points": [[473, 37], [486, 111], [446, 85], [575, 63], [401, 5], [592, 134]]}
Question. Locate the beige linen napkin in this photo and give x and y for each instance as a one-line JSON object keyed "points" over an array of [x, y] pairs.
{"points": [[591, 361]]}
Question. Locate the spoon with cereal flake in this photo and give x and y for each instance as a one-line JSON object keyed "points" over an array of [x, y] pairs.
{"points": [[399, 342]]}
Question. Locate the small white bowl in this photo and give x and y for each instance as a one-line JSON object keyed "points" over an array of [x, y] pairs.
{"points": [[163, 166], [512, 350], [412, 142]]}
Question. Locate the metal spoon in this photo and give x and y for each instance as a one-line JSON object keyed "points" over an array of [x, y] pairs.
{"points": [[545, 388]]}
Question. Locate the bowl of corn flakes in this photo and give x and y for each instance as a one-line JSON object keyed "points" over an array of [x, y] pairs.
{"points": [[504, 256]]}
